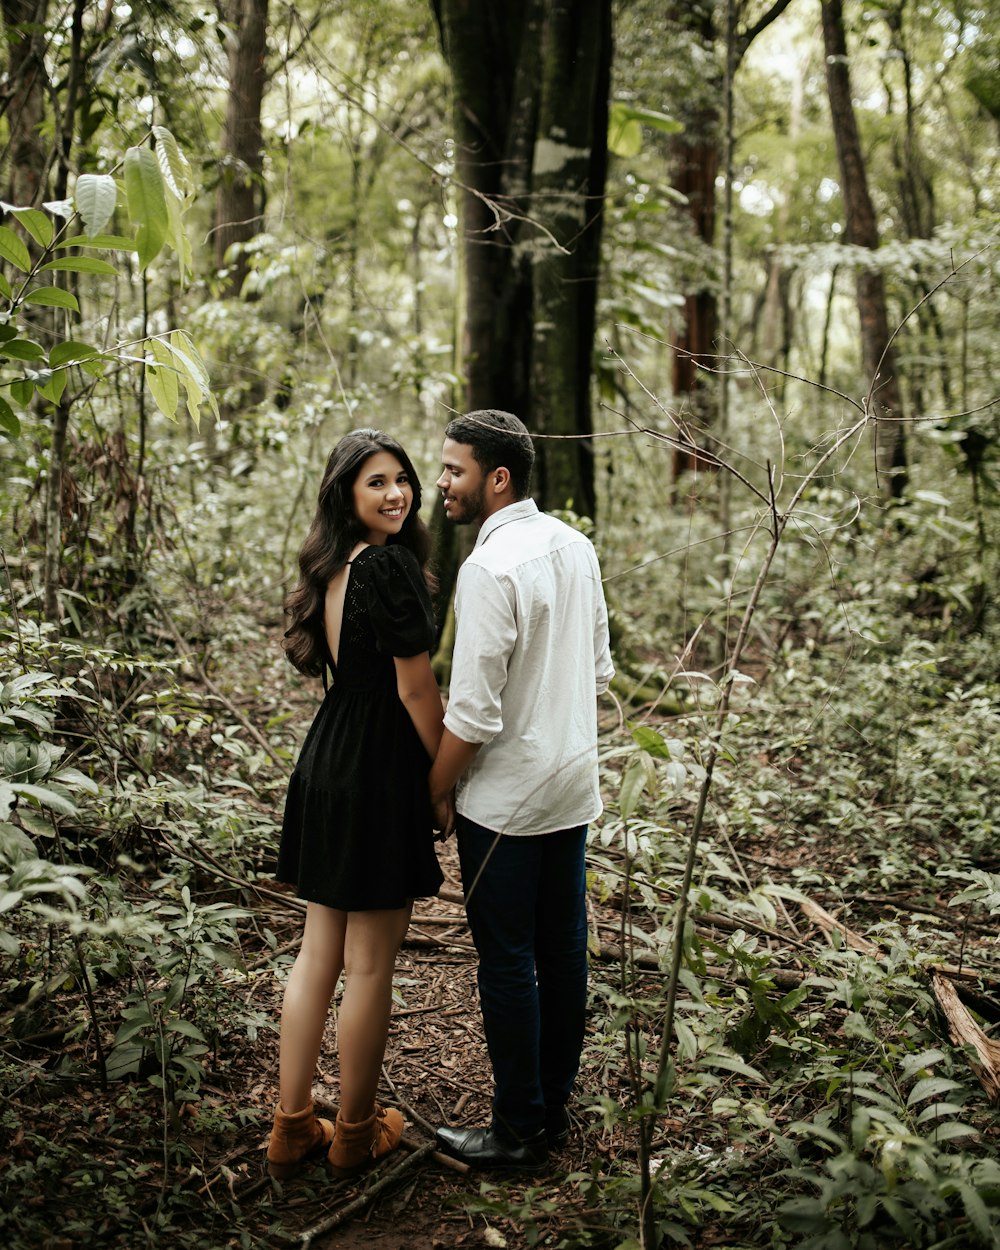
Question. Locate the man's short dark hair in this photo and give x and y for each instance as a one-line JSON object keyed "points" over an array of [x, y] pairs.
{"points": [[497, 438]]}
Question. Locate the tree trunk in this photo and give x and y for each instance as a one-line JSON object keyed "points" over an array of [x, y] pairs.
{"points": [[570, 165], [240, 197], [24, 107], [885, 400], [695, 160], [530, 161]]}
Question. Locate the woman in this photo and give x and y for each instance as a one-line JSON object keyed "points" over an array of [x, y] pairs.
{"points": [[357, 838]]}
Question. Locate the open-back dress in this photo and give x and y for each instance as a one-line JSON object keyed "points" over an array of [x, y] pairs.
{"points": [[357, 832]]}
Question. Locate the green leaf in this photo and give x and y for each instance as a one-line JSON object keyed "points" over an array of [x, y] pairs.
{"points": [[9, 422], [80, 264], [37, 224], [651, 741], [930, 1087], [633, 784], [71, 350], [173, 163], [22, 349], [147, 205], [12, 249], [5, 288], [186, 1029], [975, 1209], [731, 1064], [96, 197], [22, 390], [102, 242], [164, 388], [925, 1059], [52, 297], [46, 798], [52, 390], [624, 132]]}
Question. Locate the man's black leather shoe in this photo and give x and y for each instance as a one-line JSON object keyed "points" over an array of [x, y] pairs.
{"points": [[483, 1148], [556, 1127]]}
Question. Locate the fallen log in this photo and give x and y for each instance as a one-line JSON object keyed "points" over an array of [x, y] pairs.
{"points": [[965, 1032], [830, 924]]}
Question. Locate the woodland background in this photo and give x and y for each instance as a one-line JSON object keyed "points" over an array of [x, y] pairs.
{"points": [[735, 264]]}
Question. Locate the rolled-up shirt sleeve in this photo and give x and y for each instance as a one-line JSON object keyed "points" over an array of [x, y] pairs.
{"points": [[604, 669], [484, 639]]}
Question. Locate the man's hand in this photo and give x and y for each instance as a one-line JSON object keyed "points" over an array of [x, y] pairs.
{"points": [[444, 817]]}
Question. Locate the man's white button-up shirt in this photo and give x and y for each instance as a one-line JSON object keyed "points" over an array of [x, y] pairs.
{"points": [[531, 656]]}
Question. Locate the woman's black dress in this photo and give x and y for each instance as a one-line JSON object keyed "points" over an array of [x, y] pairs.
{"points": [[357, 832]]}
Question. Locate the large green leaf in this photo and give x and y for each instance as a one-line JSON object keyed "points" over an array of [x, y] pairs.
{"points": [[22, 349], [103, 242], [96, 198], [52, 297], [9, 422], [80, 264], [71, 350], [147, 204], [12, 249], [37, 224], [52, 390], [173, 163], [164, 388]]}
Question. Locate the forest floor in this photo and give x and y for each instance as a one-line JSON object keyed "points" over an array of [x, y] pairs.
{"points": [[82, 1165], [436, 1071]]}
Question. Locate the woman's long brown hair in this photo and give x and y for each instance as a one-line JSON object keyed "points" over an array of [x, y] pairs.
{"points": [[335, 530]]}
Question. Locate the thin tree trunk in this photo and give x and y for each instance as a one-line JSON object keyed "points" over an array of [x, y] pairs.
{"points": [[878, 359], [240, 199]]}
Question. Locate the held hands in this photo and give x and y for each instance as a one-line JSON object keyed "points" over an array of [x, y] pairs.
{"points": [[444, 816]]}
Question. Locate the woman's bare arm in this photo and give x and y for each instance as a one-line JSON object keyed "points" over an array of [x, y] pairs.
{"points": [[418, 692]]}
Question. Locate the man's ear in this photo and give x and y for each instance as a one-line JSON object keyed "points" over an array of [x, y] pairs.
{"points": [[500, 479]]}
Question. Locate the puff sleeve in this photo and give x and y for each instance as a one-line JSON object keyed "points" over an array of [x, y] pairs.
{"points": [[399, 604]]}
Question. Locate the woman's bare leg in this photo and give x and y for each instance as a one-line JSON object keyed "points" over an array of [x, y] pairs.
{"points": [[371, 944], [311, 986]]}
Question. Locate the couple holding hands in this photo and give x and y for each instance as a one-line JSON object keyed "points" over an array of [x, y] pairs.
{"points": [[512, 772]]}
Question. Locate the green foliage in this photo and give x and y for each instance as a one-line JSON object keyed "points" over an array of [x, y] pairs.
{"points": [[159, 190], [36, 788]]}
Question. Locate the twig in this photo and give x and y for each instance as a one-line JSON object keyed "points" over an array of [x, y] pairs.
{"points": [[365, 1199]]}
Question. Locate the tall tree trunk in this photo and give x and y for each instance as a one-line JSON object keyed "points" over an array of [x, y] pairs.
{"points": [[570, 166], [878, 358], [530, 159], [240, 197], [696, 154], [27, 83]]}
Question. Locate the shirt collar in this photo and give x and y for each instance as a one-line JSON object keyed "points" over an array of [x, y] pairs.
{"points": [[519, 511]]}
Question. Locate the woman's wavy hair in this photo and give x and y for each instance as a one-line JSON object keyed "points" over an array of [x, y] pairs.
{"points": [[335, 530]]}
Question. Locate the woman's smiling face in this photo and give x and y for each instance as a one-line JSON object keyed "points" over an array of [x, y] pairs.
{"points": [[383, 496]]}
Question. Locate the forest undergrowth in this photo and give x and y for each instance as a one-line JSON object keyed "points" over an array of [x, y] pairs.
{"points": [[841, 933]]}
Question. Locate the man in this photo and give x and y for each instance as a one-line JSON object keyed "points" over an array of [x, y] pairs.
{"points": [[520, 740]]}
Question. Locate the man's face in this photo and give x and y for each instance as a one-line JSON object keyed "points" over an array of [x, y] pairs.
{"points": [[463, 484]]}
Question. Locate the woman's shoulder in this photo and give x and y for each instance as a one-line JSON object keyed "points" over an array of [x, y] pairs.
{"points": [[390, 557]]}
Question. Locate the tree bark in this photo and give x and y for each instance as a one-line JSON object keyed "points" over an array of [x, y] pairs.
{"points": [[569, 171], [240, 197], [878, 358], [24, 106], [531, 135], [695, 160]]}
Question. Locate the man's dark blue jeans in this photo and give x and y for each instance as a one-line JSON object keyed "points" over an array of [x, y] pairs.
{"points": [[527, 913]]}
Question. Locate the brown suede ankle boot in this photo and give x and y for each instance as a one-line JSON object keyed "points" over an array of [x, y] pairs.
{"points": [[357, 1146], [295, 1140]]}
